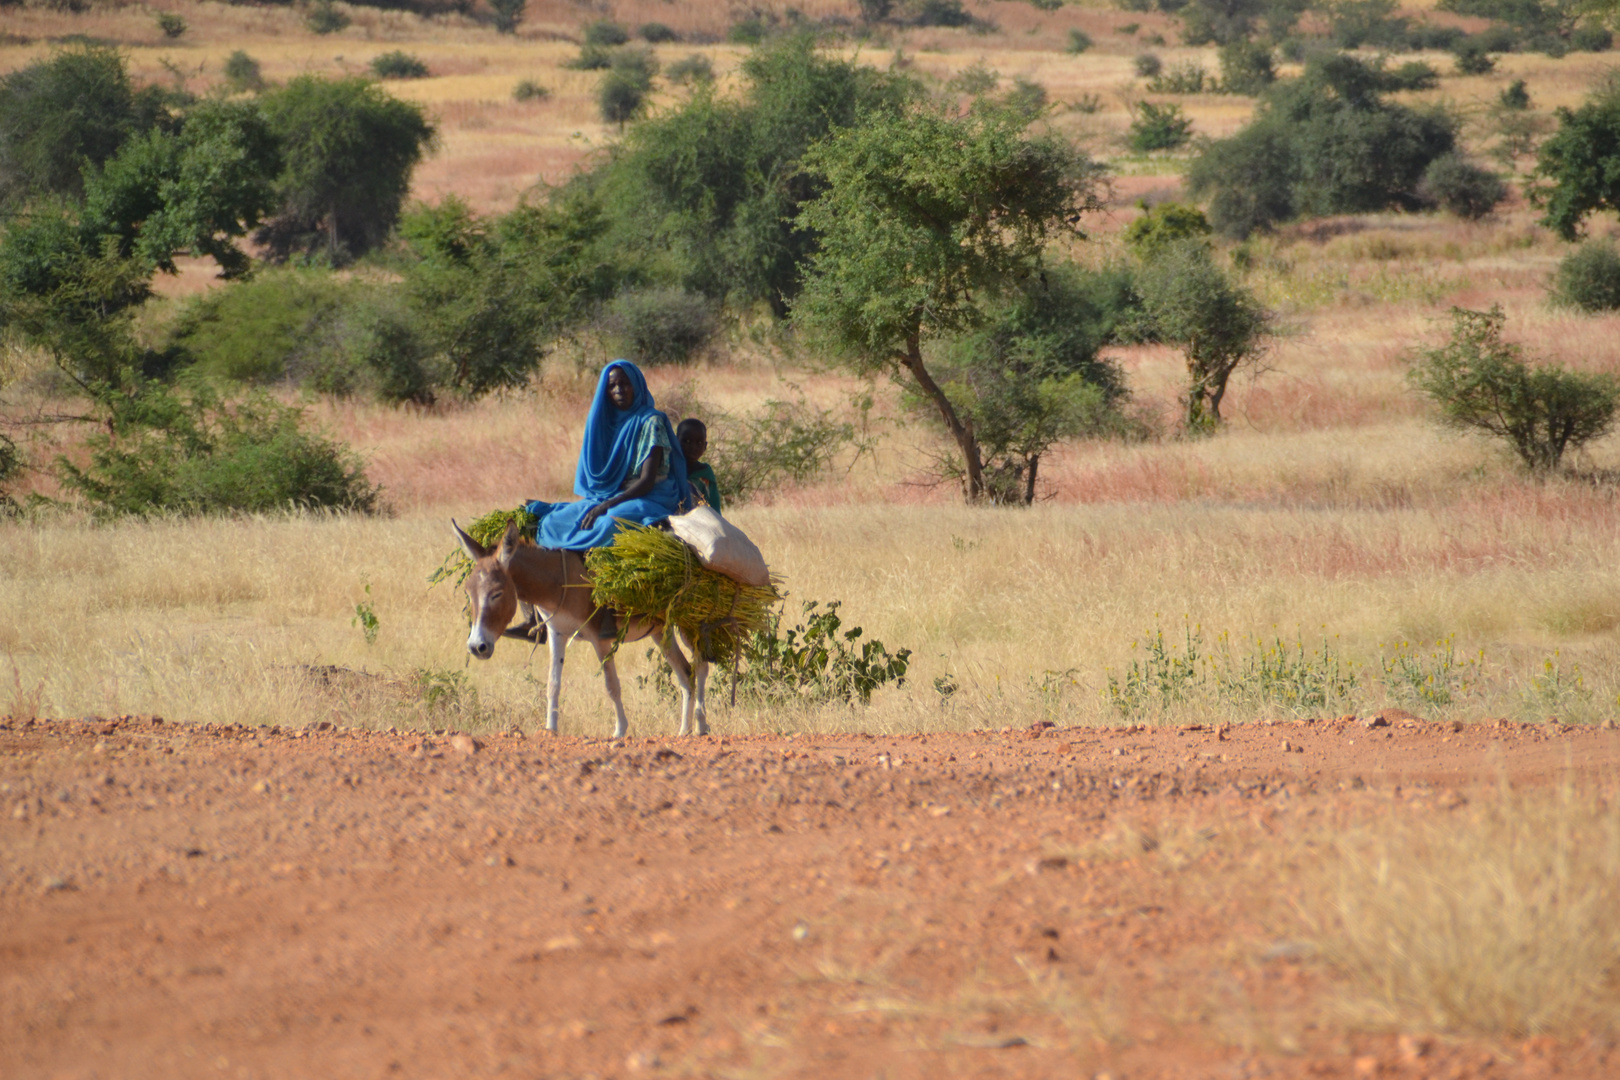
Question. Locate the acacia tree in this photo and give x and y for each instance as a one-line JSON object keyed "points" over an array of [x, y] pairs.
{"points": [[1578, 169], [927, 217]]}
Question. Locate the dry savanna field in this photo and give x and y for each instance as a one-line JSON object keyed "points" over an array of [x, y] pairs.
{"points": [[1031, 858]]}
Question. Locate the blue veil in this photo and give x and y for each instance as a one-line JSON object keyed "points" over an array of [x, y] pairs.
{"points": [[611, 438]]}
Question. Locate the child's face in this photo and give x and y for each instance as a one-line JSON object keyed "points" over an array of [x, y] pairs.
{"points": [[694, 444]]}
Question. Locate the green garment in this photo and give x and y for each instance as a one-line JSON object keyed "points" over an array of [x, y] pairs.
{"points": [[704, 483], [654, 432]]}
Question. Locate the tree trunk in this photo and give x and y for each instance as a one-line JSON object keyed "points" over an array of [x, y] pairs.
{"points": [[1029, 481], [961, 431]]}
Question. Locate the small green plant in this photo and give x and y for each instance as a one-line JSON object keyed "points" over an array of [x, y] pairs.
{"points": [[1472, 59], [1555, 688], [1482, 383], [696, 68], [656, 33], [1515, 97], [444, 693], [1187, 78], [1158, 127], [1163, 677], [365, 616], [508, 13], [242, 72], [398, 64], [1079, 42], [529, 90], [1163, 225], [591, 58], [1588, 278], [606, 33], [172, 25], [784, 442], [1432, 675], [1290, 676], [1148, 65], [975, 79], [325, 18], [1086, 103], [819, 660]]}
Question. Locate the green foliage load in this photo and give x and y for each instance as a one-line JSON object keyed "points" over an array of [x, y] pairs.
{"points": [[348, 150], [1588, 278], [1325, 143], [648, 573], [242, 72], [1457, 185], [75, 107], [1578, 168], [1481, 383], [206, 456], [398, 64], [1158, 127], [488, 530]]}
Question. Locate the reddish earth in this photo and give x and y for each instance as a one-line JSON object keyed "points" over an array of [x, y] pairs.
{"points": [[178, 901]]}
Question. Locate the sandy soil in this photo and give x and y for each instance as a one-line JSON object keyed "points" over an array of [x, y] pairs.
{"points": [[177, 901]]}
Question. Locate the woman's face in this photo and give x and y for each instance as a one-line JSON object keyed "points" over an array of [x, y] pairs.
{"points": [[619, 390]]}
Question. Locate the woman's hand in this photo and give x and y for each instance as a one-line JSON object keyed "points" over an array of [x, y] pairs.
{"points": [[591, 515]]}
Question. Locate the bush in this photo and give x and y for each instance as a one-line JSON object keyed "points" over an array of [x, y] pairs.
{"points": [[242, 72], [591, 58], [1148, 65], [694, 68], [1461, 187], [1426, 37], [1472, 59], [529, 90], [1079, 42], [814, 661], [784, 442], [283, 325], [1246, 68], [173, 25], [749, 31], [942, 13], [1188, 78], [398, 65], [1515, 98], [1578, 168], [1164, 225], [660, 326], [1588, 278], [656, 33], [1592, 37], [606, 33], [1481, 383], [1412, 75], [207, 456], [508, 13], [1158, 127], [325, 18]]}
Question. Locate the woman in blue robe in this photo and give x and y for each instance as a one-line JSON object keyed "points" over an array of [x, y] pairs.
{"points": [[630, 466]]}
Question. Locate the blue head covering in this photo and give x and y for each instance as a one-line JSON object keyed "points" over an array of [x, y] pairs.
{"points": [[610, 440]]}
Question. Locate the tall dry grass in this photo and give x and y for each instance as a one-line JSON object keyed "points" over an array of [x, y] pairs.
{"points": [[1502, 919]]}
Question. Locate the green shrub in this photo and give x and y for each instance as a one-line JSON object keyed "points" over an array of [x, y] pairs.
{"points": [[529, 90], [1481, 383], [1079, 42], [660, 326], [508, 13], [242, 72], [656, 33], [172, 25], [1412, 75], [398, 64], [1148, 65], [1163, 225], [1588, 278], [591, 58], [696, 68], [325, 18], [975, 79], [817, 660], [282, 325], [1246, 68], [783, 442], [749, 31], [1515, 97], [606, 33], [1188, 78], [941, 13], [1592, 37], [208, 456], [1458, 185], [1472, 59], [1158, 127]]}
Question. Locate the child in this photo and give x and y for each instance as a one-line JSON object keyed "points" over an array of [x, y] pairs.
{"points": [[694, 439]]}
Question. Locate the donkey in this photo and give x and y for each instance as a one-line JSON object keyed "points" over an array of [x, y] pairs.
{"points": [[559, 587]]}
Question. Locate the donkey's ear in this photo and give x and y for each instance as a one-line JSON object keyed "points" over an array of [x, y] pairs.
{"points": [[509, 544], [473, 548]]}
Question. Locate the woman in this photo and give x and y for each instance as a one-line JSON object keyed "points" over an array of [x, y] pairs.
{"points": [[630, 466]]}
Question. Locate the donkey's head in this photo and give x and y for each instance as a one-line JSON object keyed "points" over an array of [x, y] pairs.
{"points": [[490, 590]]}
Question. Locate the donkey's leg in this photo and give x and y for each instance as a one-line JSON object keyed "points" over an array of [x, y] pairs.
{"points": [[610, 679], [682, 672], [700, 678], [557, 642]]}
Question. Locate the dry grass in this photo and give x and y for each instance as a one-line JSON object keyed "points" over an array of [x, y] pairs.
{"points": [[1501, 920]]}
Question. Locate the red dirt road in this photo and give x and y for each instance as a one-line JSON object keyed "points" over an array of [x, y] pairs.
{"points": [[179, 902]]}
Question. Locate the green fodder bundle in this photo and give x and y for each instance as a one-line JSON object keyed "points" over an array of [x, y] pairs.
{"points": [[648, 573], [488, 531]]}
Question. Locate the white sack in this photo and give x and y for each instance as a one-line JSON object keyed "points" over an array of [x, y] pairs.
{"points": [[721, 546]]}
